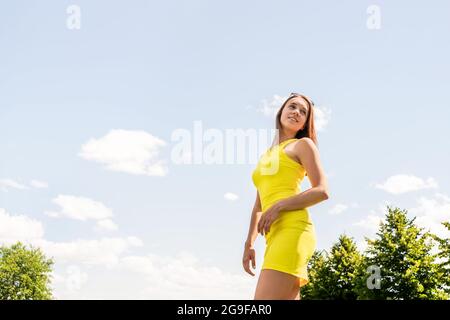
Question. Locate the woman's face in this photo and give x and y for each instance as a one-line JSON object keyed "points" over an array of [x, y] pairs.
{"points": [[294, 114]]}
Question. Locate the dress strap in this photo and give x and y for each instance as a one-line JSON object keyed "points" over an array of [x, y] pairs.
{"points": [[280, 145], [285, 141]]}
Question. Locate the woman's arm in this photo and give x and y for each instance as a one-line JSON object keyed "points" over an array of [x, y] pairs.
{"points": [[256, 215], [307, 152]]}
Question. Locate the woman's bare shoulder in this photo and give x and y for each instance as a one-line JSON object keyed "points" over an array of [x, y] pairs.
{"points": [[303, 147]]}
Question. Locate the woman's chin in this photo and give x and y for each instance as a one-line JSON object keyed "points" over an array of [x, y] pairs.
{"points": [[291, 127]]}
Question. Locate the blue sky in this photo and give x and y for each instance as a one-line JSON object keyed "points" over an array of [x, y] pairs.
{"points": [[146, 69]]}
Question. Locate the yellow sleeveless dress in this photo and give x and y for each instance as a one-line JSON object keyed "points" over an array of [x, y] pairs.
{"points": [[291, 240]]}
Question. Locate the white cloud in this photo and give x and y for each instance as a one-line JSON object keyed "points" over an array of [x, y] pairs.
{"points": [[6, 184], [38, 184], [338, 208], [154, 276], [98, 268], [106, 224], [361, 245], [230, 196], [80, 208], [430, 212], [341, 207], [135, 241], [270, 107], [15, 228], [67, 284], [403, 183], [104, 251], [185, 277], [371, 223], [134, 152], [322, 117], [19, 228]]}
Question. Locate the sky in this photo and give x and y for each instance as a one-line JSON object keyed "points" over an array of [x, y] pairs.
{"points": [[96, 95]]}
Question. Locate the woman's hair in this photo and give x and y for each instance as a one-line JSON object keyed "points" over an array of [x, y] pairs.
{"points": [[309, 129]]}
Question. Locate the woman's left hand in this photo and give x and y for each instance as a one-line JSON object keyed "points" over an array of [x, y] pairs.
{"points": [[267, 218]]}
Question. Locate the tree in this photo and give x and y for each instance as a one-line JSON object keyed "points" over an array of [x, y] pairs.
{"points": [[408, 269], [24, 273], [316, 289], [333, 276], [444, 255], [344, 267]]}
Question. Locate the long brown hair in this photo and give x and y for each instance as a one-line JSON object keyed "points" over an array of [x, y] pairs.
{"points": [[309, 129]]}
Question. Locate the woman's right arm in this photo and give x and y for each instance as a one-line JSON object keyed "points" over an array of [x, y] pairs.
{"points": [[249, 251], [256, 215]]}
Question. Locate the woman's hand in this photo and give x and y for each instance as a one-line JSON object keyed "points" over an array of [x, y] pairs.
{"points": [[268, 217], [249, 255]]}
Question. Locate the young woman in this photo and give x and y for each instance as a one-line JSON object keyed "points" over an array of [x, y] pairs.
{"points": [[280, 211]]}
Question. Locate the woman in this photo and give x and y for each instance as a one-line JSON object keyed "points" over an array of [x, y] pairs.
{"points": [[280, 212]]}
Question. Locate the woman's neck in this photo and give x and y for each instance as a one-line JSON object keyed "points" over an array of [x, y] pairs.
{"points": [[281, 139]]}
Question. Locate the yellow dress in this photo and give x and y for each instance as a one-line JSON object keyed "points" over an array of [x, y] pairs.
{"points": [[291, 240]]}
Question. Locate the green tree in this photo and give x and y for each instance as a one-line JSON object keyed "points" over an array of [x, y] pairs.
{"points": [[316, 289], [24, 273], [344, 268], [334, 275], [444, 255], [408, 269]]}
